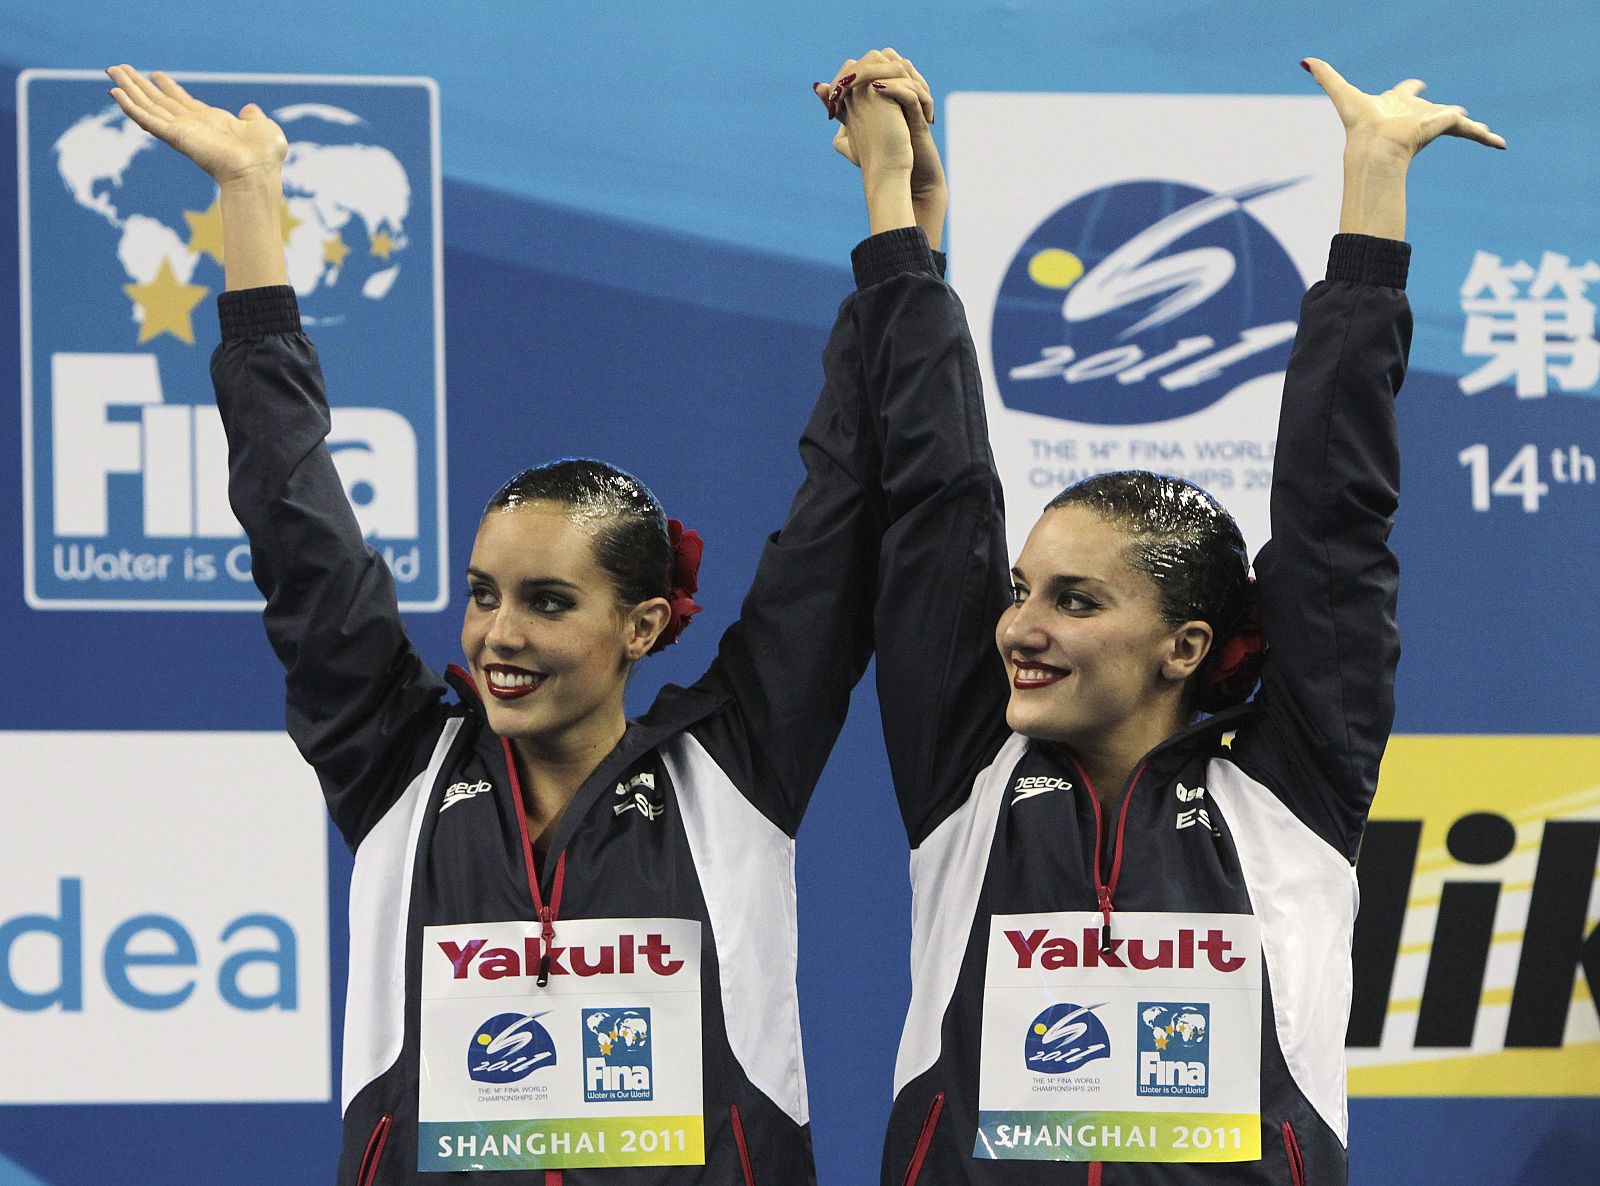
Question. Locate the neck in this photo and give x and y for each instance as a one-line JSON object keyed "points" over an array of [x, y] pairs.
{"points": [[1111, 759], [551, 769]]}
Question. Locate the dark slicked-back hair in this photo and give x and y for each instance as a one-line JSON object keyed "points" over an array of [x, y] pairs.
{"points": [[1179, 535], [628, 526]]}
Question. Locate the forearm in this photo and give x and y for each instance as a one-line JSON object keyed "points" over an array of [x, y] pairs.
{"points": [[252, 231], [1374, 191], [929, 210], [889, 204]]}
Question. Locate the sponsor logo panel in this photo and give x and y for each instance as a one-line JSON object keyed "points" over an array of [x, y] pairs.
{"points": [[1134, 268], [125, 463], [165, 899], [1475, 964]]}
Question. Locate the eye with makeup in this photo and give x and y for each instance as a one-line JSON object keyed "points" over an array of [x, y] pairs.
{"points": [[544, 601], [1076, 601]]}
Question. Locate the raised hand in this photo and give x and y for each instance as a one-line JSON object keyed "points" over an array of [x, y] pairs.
{"points": [[1399, 122], [862, 96], [228, 147], [243, 153], [1383, 133]]}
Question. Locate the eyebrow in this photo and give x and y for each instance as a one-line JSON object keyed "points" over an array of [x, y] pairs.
{"points": [[529, 583], [1061, 579]]}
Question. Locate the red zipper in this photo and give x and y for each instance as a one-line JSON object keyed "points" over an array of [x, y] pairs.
{"points": [[374, 1150], [1291, 1150], [552, 1178], [1104, 888], [547, 913], [744, 1151], [1096, 1168], [924, 1139]]}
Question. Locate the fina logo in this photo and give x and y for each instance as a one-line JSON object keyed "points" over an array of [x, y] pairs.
{"points": [[123, 256], [1174, 1048], [1142, 302], [509, 1047], [1065, 1037], [616, 1055]]}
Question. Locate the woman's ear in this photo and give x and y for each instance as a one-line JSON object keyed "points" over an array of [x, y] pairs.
{"points": [[643, 625], [1187, 648]]}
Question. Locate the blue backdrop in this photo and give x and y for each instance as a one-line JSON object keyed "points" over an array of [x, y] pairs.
{"points": [[646, 234]]}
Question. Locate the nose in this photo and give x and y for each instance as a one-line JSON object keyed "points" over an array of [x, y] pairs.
{"points": [[505, 635], [1020, 629]]}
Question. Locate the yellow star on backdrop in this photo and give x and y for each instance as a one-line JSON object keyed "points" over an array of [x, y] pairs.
{"points": [[288, 221], [1161, 1041], [382, 245], [334, 250], [205, 231], [166, 303]]}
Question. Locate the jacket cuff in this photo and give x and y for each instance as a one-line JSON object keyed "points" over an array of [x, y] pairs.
{"points": [[904, 249], [1364, 259], [254, 312]]}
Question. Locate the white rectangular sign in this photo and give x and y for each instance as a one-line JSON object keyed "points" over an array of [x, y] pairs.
{"points": [[163, 919], [1132, 267]]}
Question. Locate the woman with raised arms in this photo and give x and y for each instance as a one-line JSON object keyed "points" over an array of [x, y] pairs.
{"points": [[1131, 933], [572, 935]]}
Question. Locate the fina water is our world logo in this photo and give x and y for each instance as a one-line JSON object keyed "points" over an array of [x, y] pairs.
{"points": [[617, 1055], [509, 1047], [1064, 1038], [122, 260], [1144, 301], [1174, 1048]]}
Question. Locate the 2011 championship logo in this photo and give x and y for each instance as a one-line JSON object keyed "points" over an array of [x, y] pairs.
{"points": [[1144, 301], [125, 464]]}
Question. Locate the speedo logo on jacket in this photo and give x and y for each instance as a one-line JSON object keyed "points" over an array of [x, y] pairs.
{"points": [[475, 960], [1058, 951]]}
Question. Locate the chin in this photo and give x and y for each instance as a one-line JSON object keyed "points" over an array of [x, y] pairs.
{"points": [[1034, 724]]}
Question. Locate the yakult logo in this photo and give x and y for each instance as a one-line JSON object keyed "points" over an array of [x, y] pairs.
{"points": [[475, 959], [1044, 949], [1142, 302]]}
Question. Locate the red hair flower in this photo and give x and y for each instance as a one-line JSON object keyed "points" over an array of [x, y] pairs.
{"points": [[1232, 671], [687, 548]]}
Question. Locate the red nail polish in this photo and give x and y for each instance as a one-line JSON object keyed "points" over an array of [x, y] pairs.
{"points": [[847, 80], [1305, 65], [878, 86]]}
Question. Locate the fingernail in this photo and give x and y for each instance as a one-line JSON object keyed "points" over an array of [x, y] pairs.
{"points": [[878, 86], [847, 80], [814, 87], [1305, 65]]}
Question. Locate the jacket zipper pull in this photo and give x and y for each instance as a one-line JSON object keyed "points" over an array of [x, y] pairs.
{"points": [[547, 932], [1105, 929]]}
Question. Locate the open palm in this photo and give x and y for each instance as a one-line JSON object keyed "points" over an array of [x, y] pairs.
{"points": [[228, 147], [1399, 119]]}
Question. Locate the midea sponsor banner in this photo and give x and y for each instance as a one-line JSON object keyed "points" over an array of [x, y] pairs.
{"points": [[1132, 266], [124, 461], [163, 919]]}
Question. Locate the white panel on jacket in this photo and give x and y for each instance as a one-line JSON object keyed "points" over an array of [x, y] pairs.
{"points": [[380, 911], [746, 868], [947, 872], [1303, 893]]}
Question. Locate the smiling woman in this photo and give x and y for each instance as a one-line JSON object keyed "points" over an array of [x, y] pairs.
{"points": [[573, 936], [1132, 921]]}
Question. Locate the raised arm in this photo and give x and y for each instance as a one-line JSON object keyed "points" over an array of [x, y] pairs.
{"points": [[1328, 579], [943, 572], [356, 689]]}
